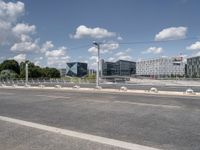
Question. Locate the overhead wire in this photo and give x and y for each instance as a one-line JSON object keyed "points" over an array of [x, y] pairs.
{"points": [[134, 42]]}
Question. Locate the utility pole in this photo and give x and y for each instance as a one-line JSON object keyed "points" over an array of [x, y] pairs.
{"points": [[26, 69], [98, 58]]}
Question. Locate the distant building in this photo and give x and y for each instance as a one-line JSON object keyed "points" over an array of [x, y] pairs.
{"points": [[119, 68], [62, 72], [193, 67], [161, 67], [91, 71], [76, 69]]}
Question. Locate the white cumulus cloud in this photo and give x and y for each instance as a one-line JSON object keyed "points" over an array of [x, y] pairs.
{"points": [[172, 33], [153, 50], [195, 46], [12, 33], [84, 31], [10, 11], [22, 28], [47, 46], [104, 48], [56, 53], [57, 58], [25, 46], [93, 58], [20, 58], [123, 55]]}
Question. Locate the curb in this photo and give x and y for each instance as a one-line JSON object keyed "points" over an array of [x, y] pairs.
{"points": [[172, 93]]}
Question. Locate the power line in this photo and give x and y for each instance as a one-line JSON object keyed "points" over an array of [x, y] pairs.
{"points": [[134, 42], [152, 41]]}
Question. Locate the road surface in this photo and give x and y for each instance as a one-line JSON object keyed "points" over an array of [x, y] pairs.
{"points": [[152, 121]]}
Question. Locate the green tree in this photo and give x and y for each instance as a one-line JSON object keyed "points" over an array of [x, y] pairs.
{"points": [[35, 72], [10, 65], [8, 74], [51, 72]]}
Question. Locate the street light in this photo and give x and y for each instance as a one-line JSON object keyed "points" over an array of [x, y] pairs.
{"points": [[98, 58], [26, 69], [26, 72]]}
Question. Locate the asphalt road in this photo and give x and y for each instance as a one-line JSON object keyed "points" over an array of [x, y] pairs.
{"points": [[163, 122]]}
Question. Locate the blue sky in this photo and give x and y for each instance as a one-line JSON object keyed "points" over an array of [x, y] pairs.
{"points": [[51, 33]]}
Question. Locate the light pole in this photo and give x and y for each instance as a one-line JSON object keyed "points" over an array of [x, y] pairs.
{"points": [[98, 58], [26, 69]]}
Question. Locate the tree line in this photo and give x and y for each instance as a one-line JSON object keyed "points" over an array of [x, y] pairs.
{"points": [[11, 69]]}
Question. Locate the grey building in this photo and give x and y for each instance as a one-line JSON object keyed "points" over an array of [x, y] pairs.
{"points": [[164, 66], [193, 67], [118, 68], [76, 69]]}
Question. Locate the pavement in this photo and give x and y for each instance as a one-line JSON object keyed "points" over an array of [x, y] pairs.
{"points": [[50, 119]]}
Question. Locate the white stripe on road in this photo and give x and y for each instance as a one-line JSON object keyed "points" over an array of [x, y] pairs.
{"points": [[93, 138], [52, 96], [146, 104]]}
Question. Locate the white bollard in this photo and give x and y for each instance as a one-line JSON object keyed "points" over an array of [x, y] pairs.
{"points": [[123, 88], [76, 86], [98, 87], [190, 91], [41, 86], [153, 90], [58, 86]]}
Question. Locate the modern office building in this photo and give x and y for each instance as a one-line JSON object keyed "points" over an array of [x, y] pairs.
{"points": [[161, 67], [119, 68], [76, 69], [193, 67]]}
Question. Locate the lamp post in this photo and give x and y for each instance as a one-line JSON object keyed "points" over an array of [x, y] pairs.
{"points": [[26, 70], [98, 58]]}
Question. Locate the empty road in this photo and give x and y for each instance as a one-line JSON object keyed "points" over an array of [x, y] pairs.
{"points": [[54, 119]]}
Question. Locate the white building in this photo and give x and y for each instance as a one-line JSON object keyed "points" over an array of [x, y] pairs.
{"points": [[161, 67]]}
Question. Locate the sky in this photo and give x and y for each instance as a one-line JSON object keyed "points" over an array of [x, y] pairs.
{"points": [[51, 33]]}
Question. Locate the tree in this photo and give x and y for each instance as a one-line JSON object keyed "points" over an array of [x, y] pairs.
{"points": [[51, 72], [8, 74], [10, 65], [33, 70]]}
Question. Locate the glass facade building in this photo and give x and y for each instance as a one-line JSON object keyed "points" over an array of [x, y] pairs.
{"points": [[76, 69], [119, 68], [193, 67]]}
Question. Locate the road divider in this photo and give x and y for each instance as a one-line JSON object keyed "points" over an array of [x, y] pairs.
{"points": [[103, 90]]}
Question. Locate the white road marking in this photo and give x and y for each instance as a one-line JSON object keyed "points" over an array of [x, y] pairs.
{"points": [[145, 104], [53, 96], [89, 137]]}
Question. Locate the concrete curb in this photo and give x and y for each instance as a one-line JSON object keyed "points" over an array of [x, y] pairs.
{"points": [[172, 93]]}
